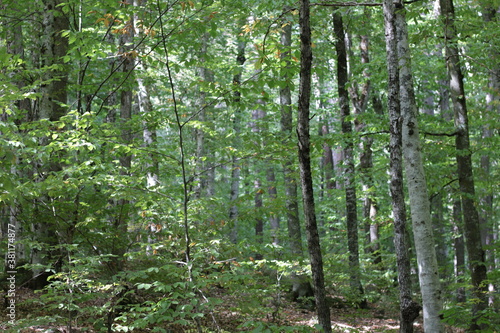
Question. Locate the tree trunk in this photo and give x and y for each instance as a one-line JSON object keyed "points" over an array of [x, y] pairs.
{"points": [[409, 310], [459, 247], [120, 223], [257, 115], [417, 185], [148, 133], [52, 106], [488, 224], [313, 240], [477, 265], [274, 220], [291, 201], [360, 102], [235, 165], [349, 176], [204, 168]]}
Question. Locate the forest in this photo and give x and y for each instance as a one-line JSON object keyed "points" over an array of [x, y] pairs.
{"points": [[249, 166]]}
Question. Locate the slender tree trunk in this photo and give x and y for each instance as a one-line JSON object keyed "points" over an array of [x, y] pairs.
{"points": [[235, 165], [475, 250], [441, 238], [459, 247], [417, 185], [488, 223], [349, 175], [360, 102], [274, 219], [291, 201], [204, 168], [257, 115], [148, 132], [52, 106], [120, 223], [15, 46], [313, 240], [409, 310]]}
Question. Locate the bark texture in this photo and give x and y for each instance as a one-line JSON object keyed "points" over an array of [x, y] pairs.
{"points": [[472, 232], [409, 309], [313, 240], [291, 202], [349, 172], [235, 165], [417, 185]]}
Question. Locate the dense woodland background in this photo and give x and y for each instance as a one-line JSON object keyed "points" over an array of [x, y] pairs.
{"points": [[149, 163]]}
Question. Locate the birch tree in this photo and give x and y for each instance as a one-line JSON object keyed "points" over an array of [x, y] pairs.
{"points": [[409, 310], [417, 185]]}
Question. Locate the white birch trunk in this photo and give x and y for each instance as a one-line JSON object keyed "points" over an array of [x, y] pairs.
{"points": [[417, 187]]}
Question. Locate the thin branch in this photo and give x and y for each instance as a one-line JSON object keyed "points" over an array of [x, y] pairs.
{"points": [[442, 188], [440, 134]]}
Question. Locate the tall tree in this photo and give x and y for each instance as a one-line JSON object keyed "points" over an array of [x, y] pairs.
{"points": [[417, 184], [360, 98], [408, 309], [348, 150], [489, 227], [121, 220], [235, 165], [286, 119], [51, 106], [304, 145], [463, 155]]}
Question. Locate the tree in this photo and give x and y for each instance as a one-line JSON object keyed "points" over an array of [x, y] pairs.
{"points": [[408, 309], [464, 165], [313, 241], [349, 175], [417, 185], [286, 120]]}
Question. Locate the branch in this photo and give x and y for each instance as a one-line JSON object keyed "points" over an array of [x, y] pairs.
{"points": [[442, 188], [440, 134]]}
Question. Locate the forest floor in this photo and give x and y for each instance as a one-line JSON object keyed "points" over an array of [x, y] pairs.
{"points": [[229, 316]]}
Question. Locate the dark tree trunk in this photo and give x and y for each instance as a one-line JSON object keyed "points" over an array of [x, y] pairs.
{"points": [[313, 240], [489, 226], [409, 310], [472, 232], [235, 165], [274, 220], [121, 220], [51, 106], [291, 201], [349, 175]]}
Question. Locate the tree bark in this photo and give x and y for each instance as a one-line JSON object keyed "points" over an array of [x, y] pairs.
{"points": [[148, 132], [286, 119], [349, 172], [120, 222], [274, 220], [476, 255], [360, 103], [52, 106], [417, 185], [409, 310], [459, 247], [235, 165], [313, 240], [489, 226]]}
